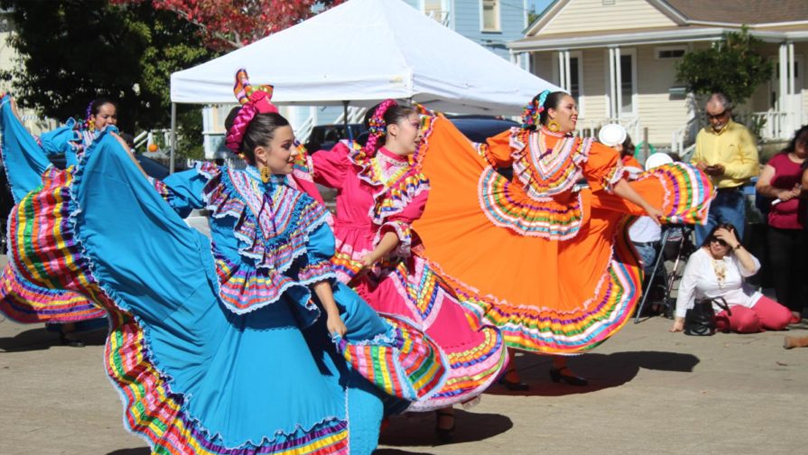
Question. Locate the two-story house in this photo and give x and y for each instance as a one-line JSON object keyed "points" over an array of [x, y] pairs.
{"points": [[617, 57]]}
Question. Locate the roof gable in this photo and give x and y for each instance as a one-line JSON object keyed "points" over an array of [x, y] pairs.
{"points": [[569, 16], [741, 11]]}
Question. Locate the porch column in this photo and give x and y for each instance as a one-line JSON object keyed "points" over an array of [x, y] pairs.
{"points": [[793, 121], [618, 86], [523, 60], [567, 73], [564, 70], [783, 71], [612, 93]]}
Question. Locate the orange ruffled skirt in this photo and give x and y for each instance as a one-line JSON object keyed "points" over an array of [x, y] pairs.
{"points": [[546, 295]]}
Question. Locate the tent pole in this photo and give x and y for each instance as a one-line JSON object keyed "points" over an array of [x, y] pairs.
{"points": [[345, 120], [172, 158]]}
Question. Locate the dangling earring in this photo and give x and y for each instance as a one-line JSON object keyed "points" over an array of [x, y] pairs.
{"points": [[265, 174], [553, 126]]}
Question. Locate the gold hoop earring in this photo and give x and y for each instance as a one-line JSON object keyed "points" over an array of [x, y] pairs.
{"points": [[553, 126], [265, 174]]}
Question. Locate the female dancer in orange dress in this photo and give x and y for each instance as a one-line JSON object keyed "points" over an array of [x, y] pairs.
{"points": [[545, 256]]}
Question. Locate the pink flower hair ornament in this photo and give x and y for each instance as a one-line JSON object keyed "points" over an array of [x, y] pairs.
{"points": [[254, 100], [377, 126]]}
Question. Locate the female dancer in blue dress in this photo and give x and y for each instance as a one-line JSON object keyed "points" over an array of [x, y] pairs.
{"points": [[26, 160], [221, 347]]}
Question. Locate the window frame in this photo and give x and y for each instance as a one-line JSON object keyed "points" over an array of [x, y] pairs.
{"points": [[497, 11]]}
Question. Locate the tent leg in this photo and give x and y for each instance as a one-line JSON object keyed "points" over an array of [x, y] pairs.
{"points": [[345, 120], [172, 158]]}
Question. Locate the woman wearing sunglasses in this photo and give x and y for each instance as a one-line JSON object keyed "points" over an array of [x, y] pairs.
{"points": [[718, 269]]}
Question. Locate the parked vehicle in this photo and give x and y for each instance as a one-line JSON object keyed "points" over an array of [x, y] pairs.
{"points": [[479, 127], [325, 137]]}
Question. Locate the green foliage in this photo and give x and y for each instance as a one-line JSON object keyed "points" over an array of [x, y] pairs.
{"points": [[532, 16], [73, 51], [732, 66]]}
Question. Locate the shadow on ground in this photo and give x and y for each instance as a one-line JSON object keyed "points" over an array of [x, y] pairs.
{"points": [[137, 451], [145, 451], [603, 371], [397, 452], [418, 429], [41, 338]]}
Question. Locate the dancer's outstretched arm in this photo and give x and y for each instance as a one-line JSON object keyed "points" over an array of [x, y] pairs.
{"points": [[625, 191]]}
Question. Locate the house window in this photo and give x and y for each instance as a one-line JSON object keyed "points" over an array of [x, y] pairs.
{"points": [[490, 15], [627, 83], [663, 53], [436, 9], [576, 88], [575, 84]]}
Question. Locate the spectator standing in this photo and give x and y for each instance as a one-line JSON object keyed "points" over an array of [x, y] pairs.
{"points": [[781, 180], [726, 151]]}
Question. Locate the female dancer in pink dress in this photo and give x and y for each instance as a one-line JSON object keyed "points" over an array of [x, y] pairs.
{"points": [[381, 192]]}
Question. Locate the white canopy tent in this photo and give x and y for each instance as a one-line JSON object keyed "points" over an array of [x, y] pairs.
{"points": [[362, 52]]}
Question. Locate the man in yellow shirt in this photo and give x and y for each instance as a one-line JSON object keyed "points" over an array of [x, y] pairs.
{"points": [[727, 152]]}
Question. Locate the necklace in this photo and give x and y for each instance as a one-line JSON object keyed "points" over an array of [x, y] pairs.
{"points": [[720, 269]]}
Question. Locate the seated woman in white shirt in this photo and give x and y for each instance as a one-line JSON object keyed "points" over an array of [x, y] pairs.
{"points": [[718, 269]]}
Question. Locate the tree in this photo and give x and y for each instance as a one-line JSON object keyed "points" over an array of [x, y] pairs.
{"points": [[73, 51], [229, 24], [732, 66]]}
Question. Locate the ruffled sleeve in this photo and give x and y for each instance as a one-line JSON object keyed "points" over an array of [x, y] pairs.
{"points": [[331, 166], [401, 224], [497, 150], [604, 168], [64, 140], [184, 191], [319, 251]]}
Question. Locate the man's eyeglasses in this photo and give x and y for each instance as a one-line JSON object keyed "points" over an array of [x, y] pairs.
{"points": [[717, 116], [720, 242]]}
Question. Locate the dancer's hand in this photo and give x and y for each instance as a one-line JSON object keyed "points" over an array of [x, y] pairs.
{"points": [[335, 325], [678, 325], [655, 214], [368, 260]]}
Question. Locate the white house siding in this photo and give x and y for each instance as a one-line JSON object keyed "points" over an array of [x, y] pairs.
{"points": [[657, 112], [7, 56], [593, 15], [594, 84], [8, 60], [543, 65]]}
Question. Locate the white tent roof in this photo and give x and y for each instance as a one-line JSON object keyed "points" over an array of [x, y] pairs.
{"points": [[364, 51]]}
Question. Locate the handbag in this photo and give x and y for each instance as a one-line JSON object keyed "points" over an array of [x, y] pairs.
{"points": [[700, 320]]}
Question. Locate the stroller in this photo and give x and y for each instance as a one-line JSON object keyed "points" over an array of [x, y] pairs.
{"points": [[676, 245]]}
